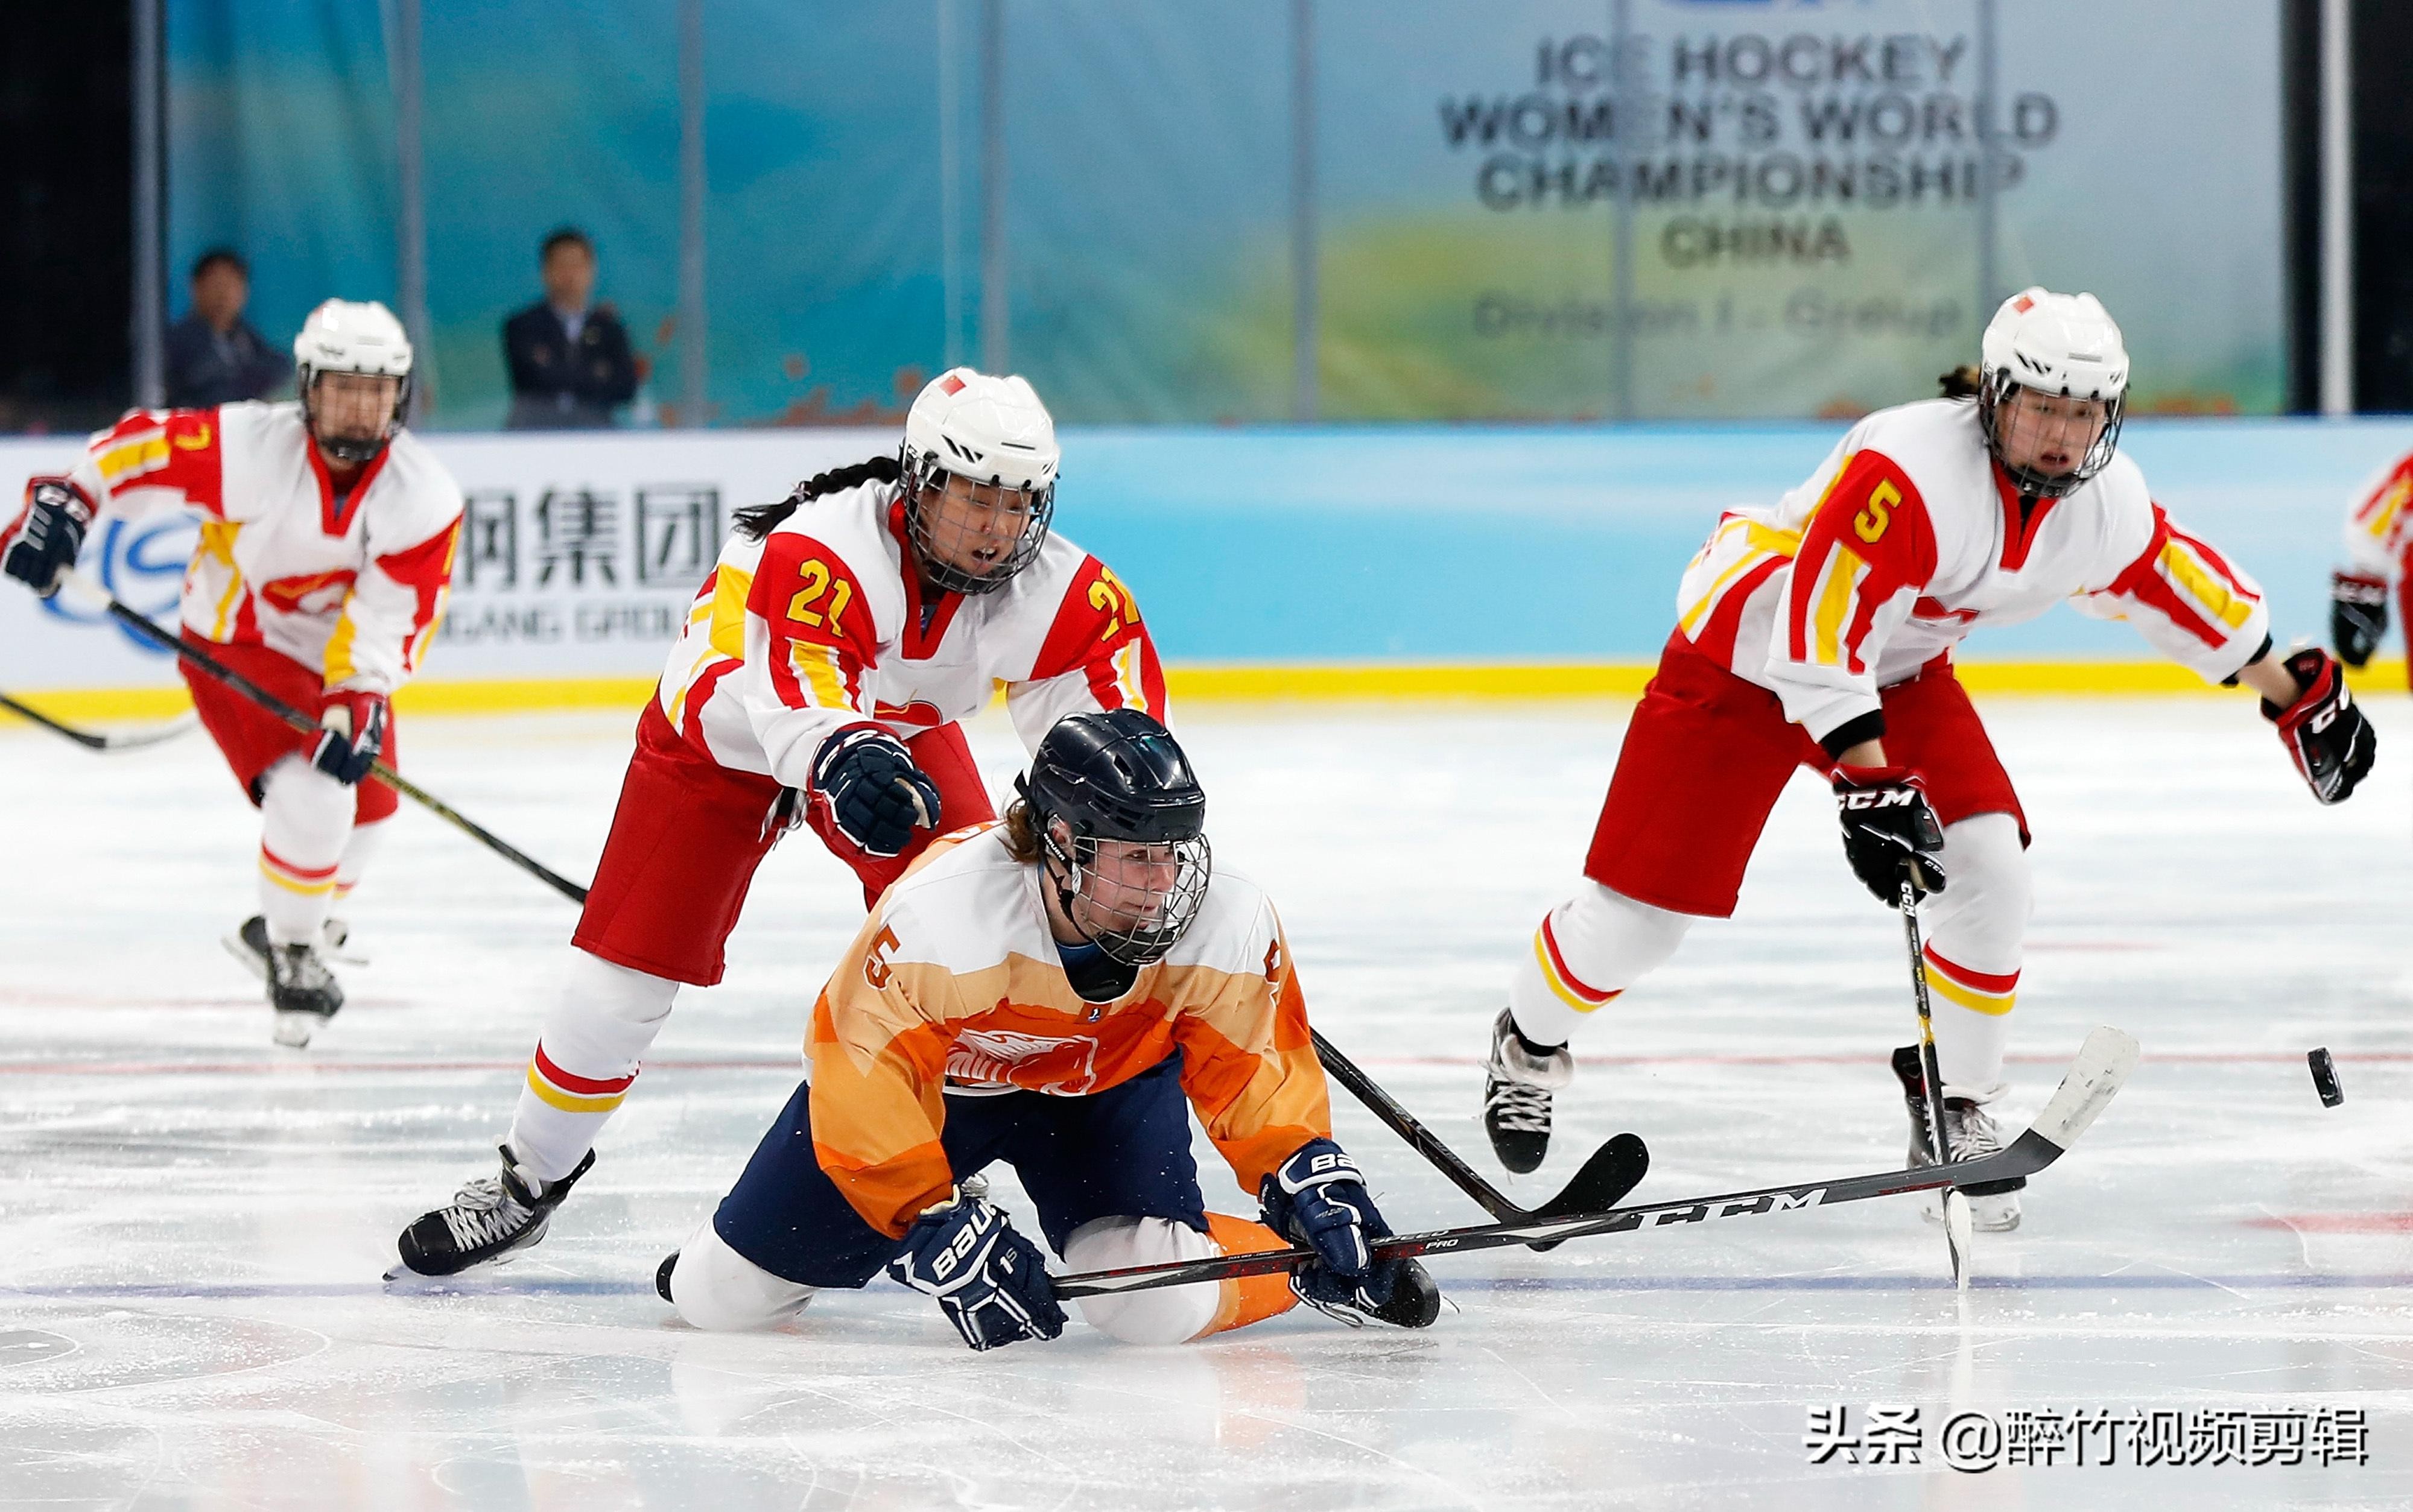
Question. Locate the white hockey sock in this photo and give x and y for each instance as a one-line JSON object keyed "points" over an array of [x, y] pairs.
{"points": [[1589, 950], [361, 849], [1166, 1316], [1975, 928], [586, 1060], [715, 1287], [305, 818]]}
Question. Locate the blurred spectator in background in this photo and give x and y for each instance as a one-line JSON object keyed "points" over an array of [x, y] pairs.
{"points": [[570, 359], [213, 356]]}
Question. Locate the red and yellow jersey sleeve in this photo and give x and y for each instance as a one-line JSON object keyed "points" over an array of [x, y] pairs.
{"points": [[1249, 1062], [2188, 601], [2379, 526], [154, 459], [1097, 656], [881, 1035], [808, 638], [391, 612], [1866, 554]]}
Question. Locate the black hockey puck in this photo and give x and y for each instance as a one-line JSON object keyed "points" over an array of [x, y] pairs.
{"points": [[2325, 1078]]}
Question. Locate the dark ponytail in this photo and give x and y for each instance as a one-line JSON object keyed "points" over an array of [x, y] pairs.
{"points": [[758, 520], [1962, 382]]}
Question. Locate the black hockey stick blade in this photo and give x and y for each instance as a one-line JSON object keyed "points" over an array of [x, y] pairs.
{"points": [[1614, 1170], [83, 737], [114, 741], [2102, 1065]]}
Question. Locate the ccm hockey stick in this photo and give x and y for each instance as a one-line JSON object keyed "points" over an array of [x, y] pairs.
{"points": [[1612, 1172], [130, 741], [1959, 1229], [304, 723], [2103, 1064]]}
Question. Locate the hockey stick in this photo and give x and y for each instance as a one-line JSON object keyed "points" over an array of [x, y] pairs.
{"points": [[1608, 1175], [2093, 1079], [90, 742], [1959, 1233], [304, 723]]}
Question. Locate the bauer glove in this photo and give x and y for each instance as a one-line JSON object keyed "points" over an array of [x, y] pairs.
{"points": [[47, 536], [1887, 826], [351, 733], [1318, 1199], [2358, 615], [990, 1280], [2325, 733], [865, 782]]}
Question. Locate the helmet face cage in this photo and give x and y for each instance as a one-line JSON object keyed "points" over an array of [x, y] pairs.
{"points": [[351, 448], [939, 544], [1994, 412], [1133, 899]]}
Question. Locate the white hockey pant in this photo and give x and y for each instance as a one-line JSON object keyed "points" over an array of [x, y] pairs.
{"points": [[1599, 942], [586, 1060]]}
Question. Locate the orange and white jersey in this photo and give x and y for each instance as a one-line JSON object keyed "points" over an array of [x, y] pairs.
{"points": [[1908, 537], [2379, 526], [352, 585], [819, 624], [955, 984]]}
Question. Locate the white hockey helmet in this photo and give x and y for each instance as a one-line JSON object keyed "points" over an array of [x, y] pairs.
{"points": [[2062, 344], [991, 431], [353, 336]]}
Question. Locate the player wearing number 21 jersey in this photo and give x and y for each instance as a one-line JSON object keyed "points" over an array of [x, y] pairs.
{"points": [[823, 668], [1820, 633]]}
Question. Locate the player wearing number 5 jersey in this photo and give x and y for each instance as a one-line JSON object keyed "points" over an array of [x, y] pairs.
{"points": [[327, 534], [1820, 633], [819, 680]]}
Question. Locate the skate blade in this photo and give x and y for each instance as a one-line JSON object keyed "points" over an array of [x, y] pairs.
{"points": [[1986, 1215], [252, 962], [293, 1030]]}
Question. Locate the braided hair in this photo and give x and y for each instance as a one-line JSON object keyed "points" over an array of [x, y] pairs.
{"points": [[1963, 382], [758, 520]]}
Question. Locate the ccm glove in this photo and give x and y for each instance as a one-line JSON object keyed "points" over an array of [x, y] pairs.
{"points": [[351, 734], [47, 536], [2358, 615], [1318, 1199], [2325, 733], [1887, 827], [866, 781], [990, 1280]]}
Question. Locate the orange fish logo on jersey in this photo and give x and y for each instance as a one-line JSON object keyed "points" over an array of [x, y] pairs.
{"points": [[292, 595], [1066, 1066]]}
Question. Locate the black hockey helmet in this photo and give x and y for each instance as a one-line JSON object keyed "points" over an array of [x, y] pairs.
{"points": [[1118, 780]]}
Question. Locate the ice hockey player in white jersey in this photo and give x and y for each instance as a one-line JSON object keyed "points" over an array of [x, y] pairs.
{"points": [[325, 556], [1820, 633], [1058, 992], [2378, 545], [824, 670]]}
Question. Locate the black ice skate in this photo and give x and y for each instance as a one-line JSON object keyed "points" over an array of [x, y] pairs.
{"points": [[300, 988], [1413, 1303], [490, 1217], [1517, 1087], [1993, 1206], [248, 944]]}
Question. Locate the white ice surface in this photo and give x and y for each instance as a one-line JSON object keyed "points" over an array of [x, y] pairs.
{"points": [[193, 1225]]}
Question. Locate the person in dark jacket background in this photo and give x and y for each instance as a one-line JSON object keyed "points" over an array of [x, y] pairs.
{"points": [[570, 358], [214, 357]]}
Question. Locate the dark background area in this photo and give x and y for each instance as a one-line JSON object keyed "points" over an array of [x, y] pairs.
{"points": [[65, 215], [67, 219]]}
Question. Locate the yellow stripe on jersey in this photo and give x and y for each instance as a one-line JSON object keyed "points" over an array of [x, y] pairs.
{"points": [[134, 456], [339, 648], [2383, 518], [817, 668], [730, 591], [1761, 542], [570, 1102], [1126, 662], [1844, 573], [1994, 1004], [217, 543], [2185, 569]]}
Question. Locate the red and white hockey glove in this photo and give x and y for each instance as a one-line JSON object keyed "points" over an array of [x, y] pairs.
{"points": [[2326, 735], [2358, 615], [352, 732], [1887, 827], [47, 536]]}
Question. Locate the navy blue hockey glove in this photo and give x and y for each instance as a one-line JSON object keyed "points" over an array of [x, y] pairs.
{"points": [[1887, 827], [990, 1280], [1317, 1197], [866, 781], [2358, 615], [47, 536], [2325, 733], [351, 734]]}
